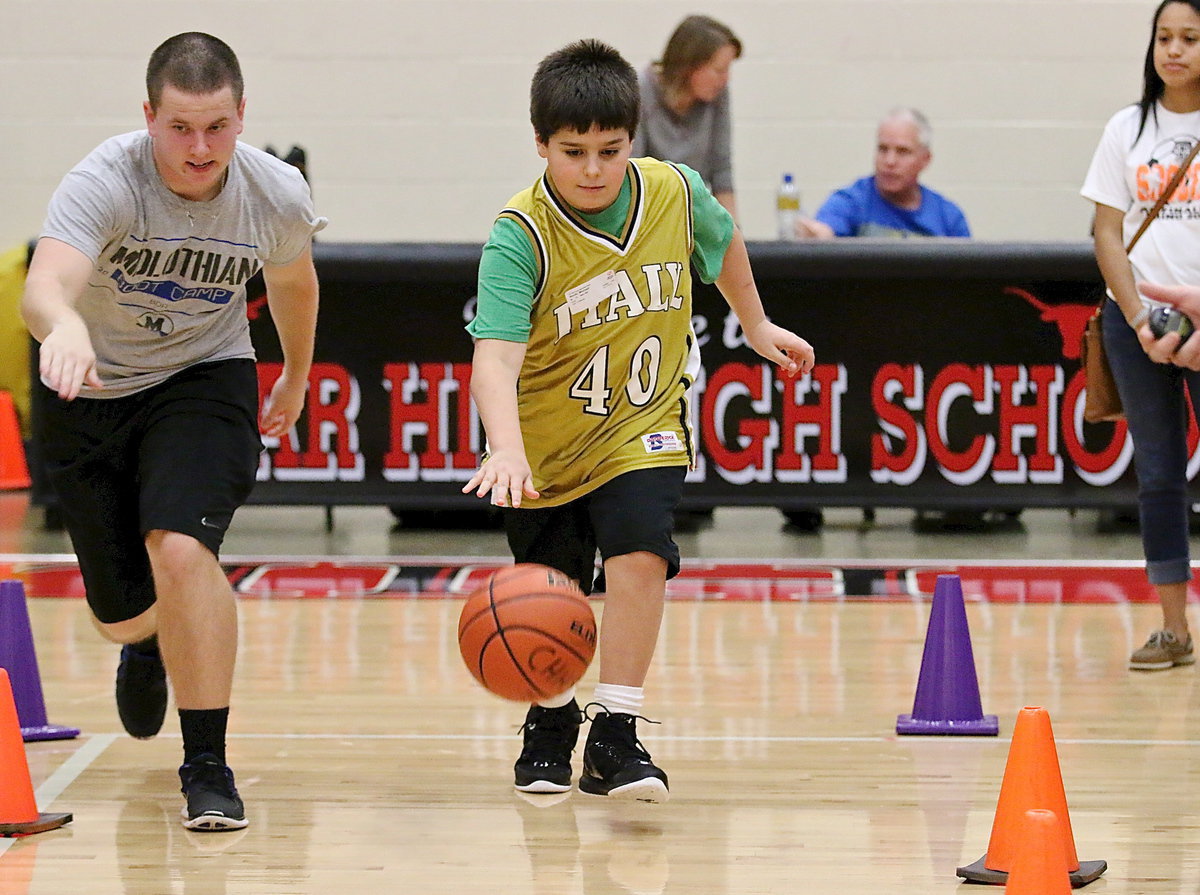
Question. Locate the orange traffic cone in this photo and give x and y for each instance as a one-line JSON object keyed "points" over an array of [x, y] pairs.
{"points": [[18, 809], [1032, 780], [1040, 866], [14, 473]]}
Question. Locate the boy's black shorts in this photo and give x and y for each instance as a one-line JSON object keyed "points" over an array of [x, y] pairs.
{"points": [[632, 513], [179, 456]]}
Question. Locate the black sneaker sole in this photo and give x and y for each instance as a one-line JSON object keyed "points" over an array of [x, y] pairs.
{"points": [[549, 777], [542, 786], [648, 789], [212, 823]]}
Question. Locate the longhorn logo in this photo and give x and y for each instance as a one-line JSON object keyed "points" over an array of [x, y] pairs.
{"points": [[1071, 320]]}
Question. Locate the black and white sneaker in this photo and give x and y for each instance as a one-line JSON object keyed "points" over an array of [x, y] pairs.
{"points": [[141, 691], [550, 738], [616, 764], [213, 803]]}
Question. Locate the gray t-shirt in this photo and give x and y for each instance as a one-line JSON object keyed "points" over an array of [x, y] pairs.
{"points": [[700, 138], [169, 287]]}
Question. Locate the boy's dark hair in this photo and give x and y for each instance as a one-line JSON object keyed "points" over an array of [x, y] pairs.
{"points": [[584, 84], [193, 62]]}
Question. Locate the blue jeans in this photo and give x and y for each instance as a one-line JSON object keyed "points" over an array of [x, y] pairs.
{"points": [[1155, 409]]}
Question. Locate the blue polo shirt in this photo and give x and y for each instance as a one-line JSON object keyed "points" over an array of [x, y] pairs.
{"points": [[859, 210]]}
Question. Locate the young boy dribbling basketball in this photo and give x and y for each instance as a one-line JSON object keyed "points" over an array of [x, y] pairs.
{"points": [[584, 357]]}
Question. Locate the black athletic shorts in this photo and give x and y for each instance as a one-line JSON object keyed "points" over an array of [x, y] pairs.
{"points": [[179, 456], [632, 513]]}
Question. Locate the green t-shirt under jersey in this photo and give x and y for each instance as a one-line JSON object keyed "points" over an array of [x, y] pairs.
{"points": [[508, 267]]}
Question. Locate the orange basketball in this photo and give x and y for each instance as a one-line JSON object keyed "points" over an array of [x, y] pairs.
{"points": [[527, 633]]}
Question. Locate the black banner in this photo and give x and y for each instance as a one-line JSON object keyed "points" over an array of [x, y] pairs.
{"points": [[947, 375]]}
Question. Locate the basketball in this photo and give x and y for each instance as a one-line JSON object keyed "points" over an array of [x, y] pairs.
{"points": [[527, 633]]}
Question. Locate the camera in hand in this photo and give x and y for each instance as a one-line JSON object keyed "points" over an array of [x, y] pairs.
{"points": [[1170, 320]]}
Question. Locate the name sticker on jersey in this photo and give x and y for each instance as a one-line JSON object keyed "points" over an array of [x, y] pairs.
{"points": [[659, 442], [587, 295]]}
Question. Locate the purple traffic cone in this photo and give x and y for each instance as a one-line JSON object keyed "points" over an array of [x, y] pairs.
{"points": [[947, 699], [18, 658]]}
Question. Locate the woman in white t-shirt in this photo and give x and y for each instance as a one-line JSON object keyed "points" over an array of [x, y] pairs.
{"points": [[1142, 147]]}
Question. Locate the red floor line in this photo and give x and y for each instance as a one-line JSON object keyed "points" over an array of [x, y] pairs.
{"points": [[727, 580]]}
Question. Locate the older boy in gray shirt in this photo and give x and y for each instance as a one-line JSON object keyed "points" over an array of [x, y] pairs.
{"points": [[137, 293]]}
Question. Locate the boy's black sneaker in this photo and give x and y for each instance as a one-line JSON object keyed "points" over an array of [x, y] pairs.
{"points": [[550, 737], [615, 763], [141, 692], [213, 803]]}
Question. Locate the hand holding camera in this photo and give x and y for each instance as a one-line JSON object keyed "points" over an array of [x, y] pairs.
{"points": [[1170, 320]]}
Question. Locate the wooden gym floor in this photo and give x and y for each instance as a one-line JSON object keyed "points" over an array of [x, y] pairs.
{"points": [[368, 758]]}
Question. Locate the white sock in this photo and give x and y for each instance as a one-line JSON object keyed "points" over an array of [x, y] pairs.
{"points": [[557, 702], [618, 699]]}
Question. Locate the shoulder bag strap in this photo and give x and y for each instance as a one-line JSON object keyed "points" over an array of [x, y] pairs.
{"points": [[1166, 194]]}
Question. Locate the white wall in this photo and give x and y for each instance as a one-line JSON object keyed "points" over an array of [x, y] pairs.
{"points": [[415, 112]]}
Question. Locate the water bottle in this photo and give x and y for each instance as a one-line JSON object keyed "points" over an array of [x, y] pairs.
{"points": [[787, 207]]}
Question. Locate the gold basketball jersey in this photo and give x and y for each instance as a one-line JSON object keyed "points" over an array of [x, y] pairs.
{"points": [[611, 354]]}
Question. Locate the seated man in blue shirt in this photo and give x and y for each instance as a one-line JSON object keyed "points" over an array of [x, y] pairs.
{"points": [[892, 203]]}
